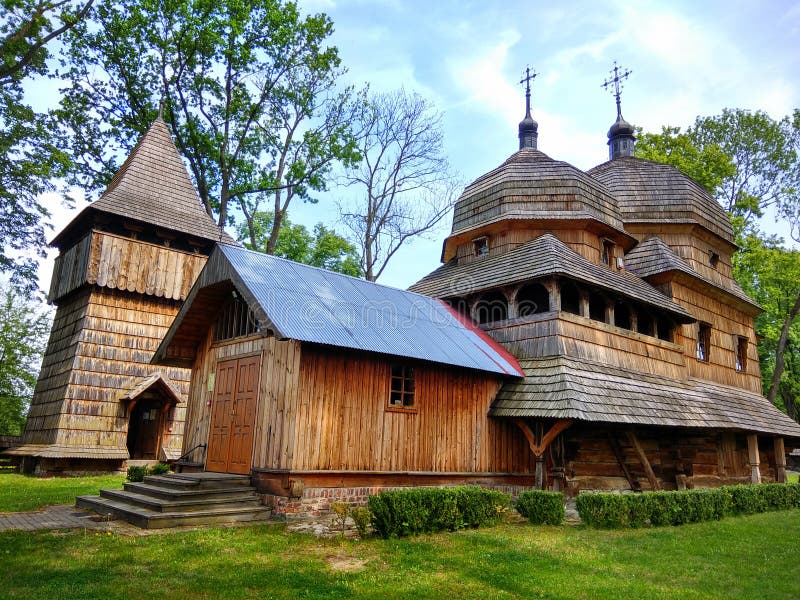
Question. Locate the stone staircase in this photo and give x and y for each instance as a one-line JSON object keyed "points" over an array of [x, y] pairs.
{"points": [[180, 499]]}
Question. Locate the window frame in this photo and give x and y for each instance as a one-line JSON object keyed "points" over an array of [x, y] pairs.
{"points": [[607, 253], [740, 353], [402, 381], [480, 246], [703, 350]]}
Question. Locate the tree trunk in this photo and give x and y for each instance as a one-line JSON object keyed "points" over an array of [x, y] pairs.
{"points": [[781, 349]]}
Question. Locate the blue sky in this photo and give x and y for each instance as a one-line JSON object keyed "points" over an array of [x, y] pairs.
{"points": [[687, 58]]}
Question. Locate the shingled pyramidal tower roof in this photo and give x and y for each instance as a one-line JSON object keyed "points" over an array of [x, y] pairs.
{"points": [[154, 188]]}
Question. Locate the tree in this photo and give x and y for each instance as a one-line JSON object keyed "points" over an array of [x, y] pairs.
{"points": [[248, 88], [323, 248], [30, 158], [24, 326], [405, 179], [27, 27]]}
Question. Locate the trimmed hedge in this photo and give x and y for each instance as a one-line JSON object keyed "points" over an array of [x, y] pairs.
{"points": [[541, 507], [685, 506], [413, 511]]}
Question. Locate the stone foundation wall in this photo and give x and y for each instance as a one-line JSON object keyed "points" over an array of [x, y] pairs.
{"points": [[316, 502]]}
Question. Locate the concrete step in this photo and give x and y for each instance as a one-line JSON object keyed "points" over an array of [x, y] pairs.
{"points": [[151, 519], [192, 504], [178, 493], [207, 481]]}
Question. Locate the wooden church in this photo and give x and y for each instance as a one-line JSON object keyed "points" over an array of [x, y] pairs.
{"points": [[126, 264], [586, 333]]}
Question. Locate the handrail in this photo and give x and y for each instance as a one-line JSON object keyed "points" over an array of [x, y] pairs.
{"points": [[188, 452]]}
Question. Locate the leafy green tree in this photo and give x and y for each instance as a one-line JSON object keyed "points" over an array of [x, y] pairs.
{"points": [[30, 159], [249, 89], [321, 248], [24, 326]]}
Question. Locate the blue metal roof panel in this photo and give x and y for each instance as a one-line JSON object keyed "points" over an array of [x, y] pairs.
{"points": [[313, 305]]}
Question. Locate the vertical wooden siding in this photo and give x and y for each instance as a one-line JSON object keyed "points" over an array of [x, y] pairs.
{"points": [[342, 422]]}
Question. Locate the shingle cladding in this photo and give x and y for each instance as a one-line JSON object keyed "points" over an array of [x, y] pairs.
{"points": [[650, 192], [543, 256], [531, 185], [153, 187], [561, 387], [653, 256]]}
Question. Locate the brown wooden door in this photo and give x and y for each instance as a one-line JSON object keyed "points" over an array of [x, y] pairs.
{"points": [[233, 417], [144, 430]]}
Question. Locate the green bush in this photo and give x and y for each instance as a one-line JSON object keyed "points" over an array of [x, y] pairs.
{"points": [[137, 473], [413, 511], [158, 469], [685, 506], [541, 507], [361, 518]]}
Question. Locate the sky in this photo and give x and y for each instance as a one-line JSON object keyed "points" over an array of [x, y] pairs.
{"points": [[687, 59]]}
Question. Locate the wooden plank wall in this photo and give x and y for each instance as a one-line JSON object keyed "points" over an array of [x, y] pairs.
{"points": [[121, 263], [707, 458], [100, 346], [727, 323], [70, 269], [551, 334], [343, 423]]}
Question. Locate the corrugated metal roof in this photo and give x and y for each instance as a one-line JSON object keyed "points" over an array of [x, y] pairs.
{"points": [[314, 305]]}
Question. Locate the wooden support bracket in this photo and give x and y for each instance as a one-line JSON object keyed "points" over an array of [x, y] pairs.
{"points": [[753, 458], [651, 476], [539, 448], [617, 450]]}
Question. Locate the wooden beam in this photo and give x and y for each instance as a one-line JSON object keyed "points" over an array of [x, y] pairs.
{"points": [[651, 476], [753, 458], [780, 460], [539, 448], [617, 450]]}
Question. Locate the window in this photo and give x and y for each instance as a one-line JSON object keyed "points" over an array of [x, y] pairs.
{"points": [[607, 254], [597, 307], [492, 307], [703, 341], [481, 246], [622, 315], [713, 260], [741, 353], [665, 328], [645, 323], [532, 299], [570, 299], [401, 389], [235, 319]]}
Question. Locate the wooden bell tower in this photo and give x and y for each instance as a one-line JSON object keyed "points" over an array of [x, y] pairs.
{"points": [[125, 266]]}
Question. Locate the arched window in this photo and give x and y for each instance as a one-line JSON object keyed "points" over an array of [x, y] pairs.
{"points": [[492, 307], [532, 299], [570, 298], [622, 315]]}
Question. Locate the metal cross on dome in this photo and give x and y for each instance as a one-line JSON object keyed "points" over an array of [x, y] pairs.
{"points": [[620, 75], [526, 79]]}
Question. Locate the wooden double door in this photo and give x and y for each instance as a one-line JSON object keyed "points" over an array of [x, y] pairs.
{"points": [[233, 416]]}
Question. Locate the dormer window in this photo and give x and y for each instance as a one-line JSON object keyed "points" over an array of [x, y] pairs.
{"points": [[480, 246]]}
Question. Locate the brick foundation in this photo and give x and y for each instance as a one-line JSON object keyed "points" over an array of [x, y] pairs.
{"points": [[316, 502]]}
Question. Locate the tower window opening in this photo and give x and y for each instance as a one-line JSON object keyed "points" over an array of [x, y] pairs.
{"points": [[491, 308], [665, 328], [597, 307], [713, 260], [622, 315], [741, 353], [532, 299], [481, 246], [607, 253], [703, 342], [570, 299]]}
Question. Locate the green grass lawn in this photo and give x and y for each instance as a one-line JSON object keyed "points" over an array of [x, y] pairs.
{"points": [[22, 492], [744, 557]]}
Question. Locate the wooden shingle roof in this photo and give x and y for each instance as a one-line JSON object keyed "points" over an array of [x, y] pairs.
{"points": [[153, 187], [566, 388], [651, 192], [540, 257], [531, 185], [653, 256]]}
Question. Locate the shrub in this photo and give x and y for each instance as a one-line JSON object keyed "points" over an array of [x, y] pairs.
{"points": [[541, 507], [136, 473], [341, 511], [685, 506], [361, 518], [422, 510], [159, 469]]}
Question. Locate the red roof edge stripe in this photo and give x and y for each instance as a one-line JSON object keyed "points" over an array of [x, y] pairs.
{"points": [[511, 362]]}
